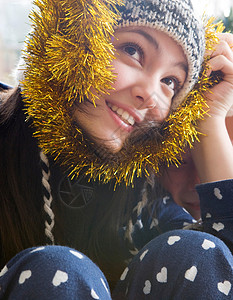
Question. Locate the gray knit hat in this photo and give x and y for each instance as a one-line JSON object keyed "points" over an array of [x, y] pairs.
{"points": [[177, 19]]}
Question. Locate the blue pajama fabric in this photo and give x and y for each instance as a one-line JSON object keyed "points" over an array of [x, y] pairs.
{"points": [[176, 265], [179, 265], [52, 272]]}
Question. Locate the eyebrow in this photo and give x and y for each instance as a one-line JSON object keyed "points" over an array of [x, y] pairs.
{"points": [[147, 36], [182, 66], [154, 43]]}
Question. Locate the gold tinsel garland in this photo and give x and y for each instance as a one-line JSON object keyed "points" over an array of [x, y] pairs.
{"points": [[68, 57]]}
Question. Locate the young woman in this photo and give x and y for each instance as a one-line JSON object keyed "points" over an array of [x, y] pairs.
{"points": [[78, 191]]}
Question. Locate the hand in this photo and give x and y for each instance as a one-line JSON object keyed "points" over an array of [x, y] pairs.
{"points": [[213, 156], [220, 97]]}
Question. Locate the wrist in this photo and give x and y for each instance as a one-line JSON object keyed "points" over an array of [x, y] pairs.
{"points": [[212, 124], [213, 155]]}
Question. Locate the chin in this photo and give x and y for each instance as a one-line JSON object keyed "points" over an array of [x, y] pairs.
{"points": [[107, 150], [116, 148], [113, 146]]}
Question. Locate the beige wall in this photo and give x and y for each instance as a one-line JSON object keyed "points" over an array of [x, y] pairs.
{"points": [[14, 26], [8, 59]]}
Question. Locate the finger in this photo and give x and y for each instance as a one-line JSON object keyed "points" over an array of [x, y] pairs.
{"points": [[220, 63], [223, 64], [222, 92], [227, 37], [225, 41], [222, 48]]}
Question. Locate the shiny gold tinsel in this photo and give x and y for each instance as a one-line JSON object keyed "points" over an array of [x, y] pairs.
{"points": [[67, 58]]}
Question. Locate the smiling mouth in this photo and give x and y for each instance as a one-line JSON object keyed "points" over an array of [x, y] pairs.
{"points": [[122, 114]]}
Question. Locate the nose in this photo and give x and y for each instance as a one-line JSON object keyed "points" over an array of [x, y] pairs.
{"points": [[150, 99], [145, 98]]}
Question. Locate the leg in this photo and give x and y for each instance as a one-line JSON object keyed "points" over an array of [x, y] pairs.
{"points": [[180, 264], [52, 272]]}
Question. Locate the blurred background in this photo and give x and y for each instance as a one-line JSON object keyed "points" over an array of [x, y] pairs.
{"points": [[14, 26]]}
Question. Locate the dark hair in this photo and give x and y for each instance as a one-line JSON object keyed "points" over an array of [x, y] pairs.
{"points": [[20, 179]]}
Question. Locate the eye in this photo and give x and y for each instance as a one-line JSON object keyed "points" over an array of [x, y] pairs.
{"points": [[133, 50], [173, 83]]}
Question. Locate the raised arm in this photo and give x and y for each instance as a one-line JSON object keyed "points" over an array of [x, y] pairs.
{"points": [[213, 156]]}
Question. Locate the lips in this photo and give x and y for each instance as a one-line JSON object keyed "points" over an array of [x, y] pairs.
{"points": [[122, 114]]}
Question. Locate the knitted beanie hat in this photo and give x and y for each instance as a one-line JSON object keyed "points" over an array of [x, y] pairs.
{"points": [[174, 17], [177, 19]]}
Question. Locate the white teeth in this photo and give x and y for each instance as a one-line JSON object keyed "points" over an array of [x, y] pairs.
{"points": [[122, 113], [131, 120], [114, 107], [125, 115]]}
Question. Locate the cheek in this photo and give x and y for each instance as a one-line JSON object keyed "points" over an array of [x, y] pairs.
{"points": [[123, 73], [163, 109], [167, 101]]}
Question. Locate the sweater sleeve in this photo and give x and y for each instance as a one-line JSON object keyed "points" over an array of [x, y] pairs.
{"points": [[172, 216], [216, 201], [165, 215]]}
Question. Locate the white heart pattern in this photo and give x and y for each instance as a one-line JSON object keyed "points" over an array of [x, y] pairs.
{"points": [[77, 254], [218, 226], [186, 224], [94, 295], [37, 249], [162, 275], [217, 193], [185, 210], [165, 199], [139, 223], [224, 287], [124, 274], [24, 276], [104, 285], [3, 271], [208, 244], [173, 239], [143, 254], [154, 223], [191, 273], [147, 287], [59, 278], [208, 215]]}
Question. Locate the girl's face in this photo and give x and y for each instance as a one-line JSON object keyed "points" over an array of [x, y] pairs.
{"points": [[180, 183], [150, 68]]}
